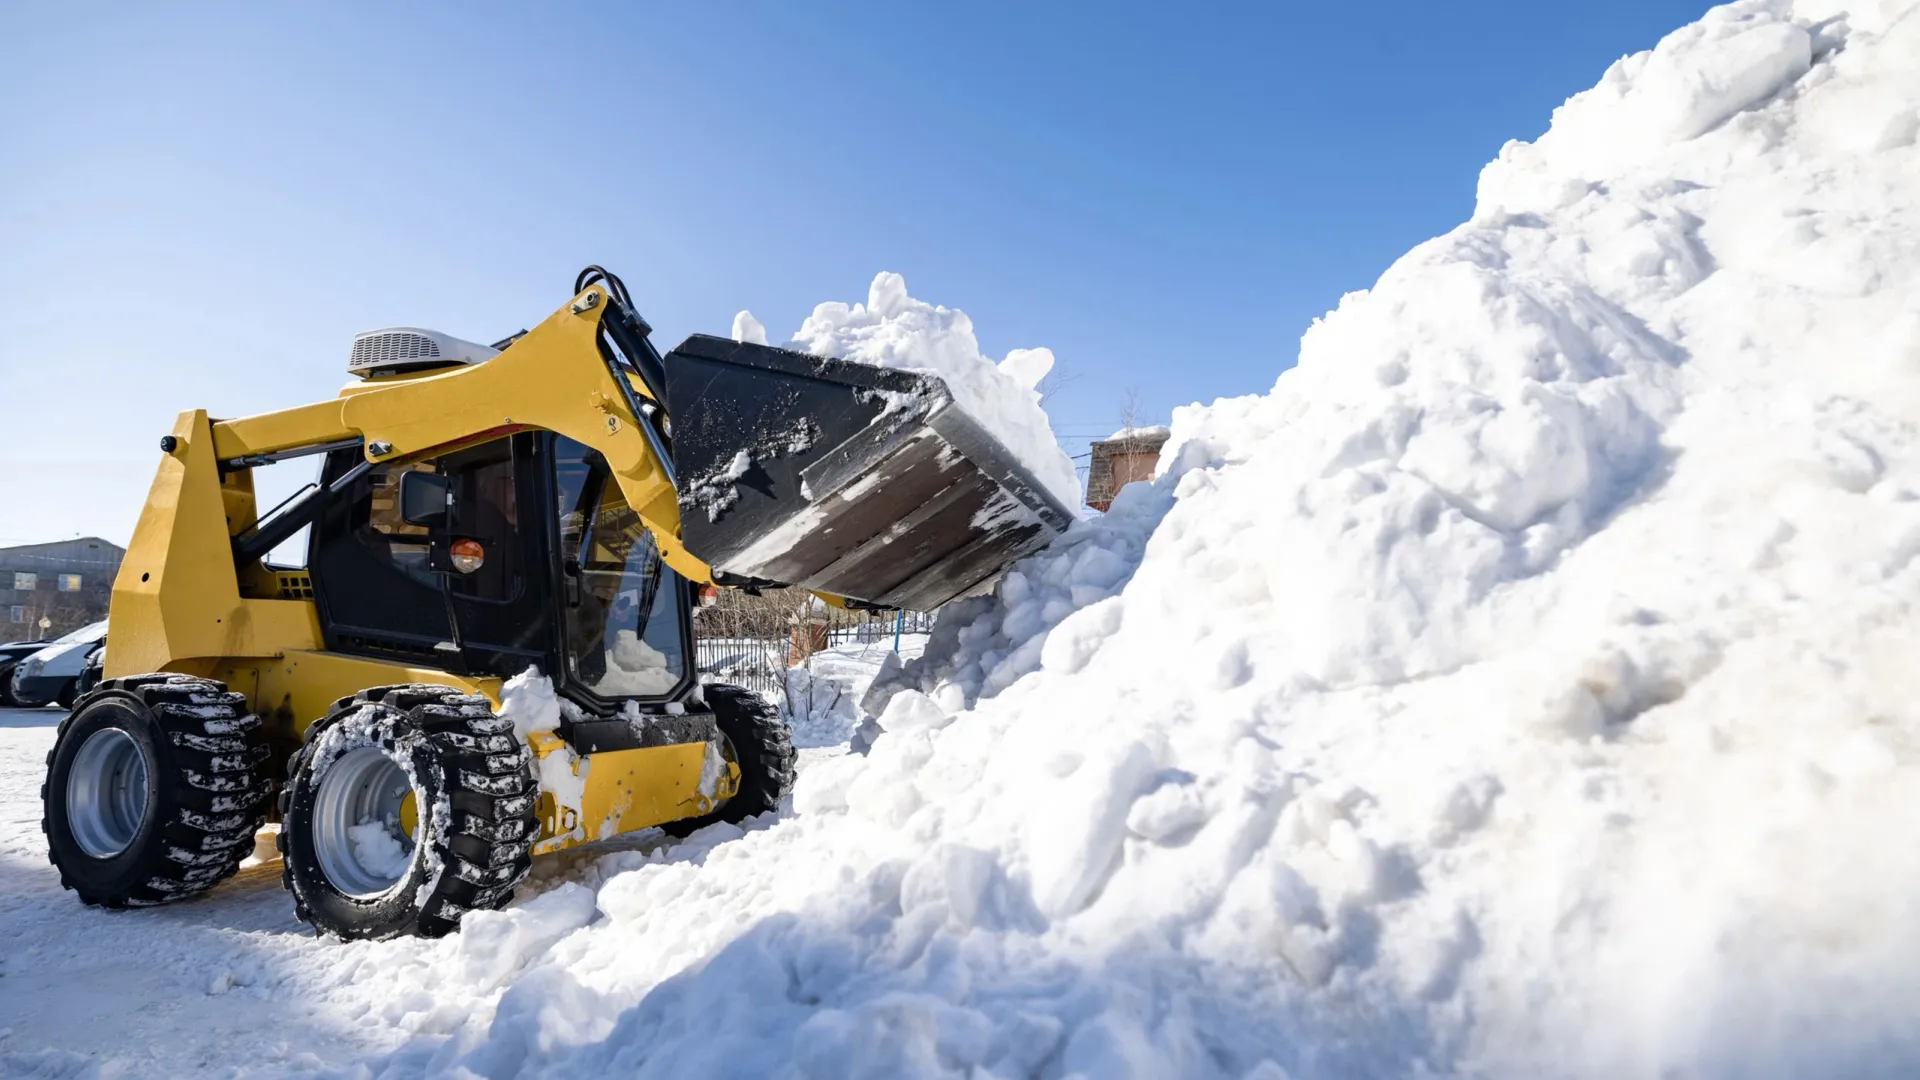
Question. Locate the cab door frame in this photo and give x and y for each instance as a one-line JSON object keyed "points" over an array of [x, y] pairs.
{"points": [[425, 621], [678, 593]]}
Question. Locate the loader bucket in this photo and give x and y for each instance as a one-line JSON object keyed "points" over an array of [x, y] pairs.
{"points": [[863, 482]]}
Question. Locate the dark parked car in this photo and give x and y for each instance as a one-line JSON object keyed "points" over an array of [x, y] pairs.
{"points": [[12, 653], [52, 675]]}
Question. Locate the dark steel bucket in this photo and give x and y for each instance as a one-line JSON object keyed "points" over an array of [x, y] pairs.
{"points": [[859, 481]]}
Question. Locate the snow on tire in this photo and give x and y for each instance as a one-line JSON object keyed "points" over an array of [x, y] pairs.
{"points": [[408, 807], [155, 787]]}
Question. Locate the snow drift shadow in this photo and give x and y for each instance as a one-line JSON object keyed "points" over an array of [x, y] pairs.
{"points": [[882, 990]]}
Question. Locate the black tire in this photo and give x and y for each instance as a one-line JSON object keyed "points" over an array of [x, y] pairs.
{"points": [[204, 759], [472, 783], [758, 741], [7, 700], [70, 693]]}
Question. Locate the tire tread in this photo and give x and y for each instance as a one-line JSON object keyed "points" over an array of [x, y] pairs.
{"points": [[210, 734], [489, 790]]}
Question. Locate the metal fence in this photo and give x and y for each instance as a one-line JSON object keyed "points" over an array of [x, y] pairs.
{"points": [[751, 641]]}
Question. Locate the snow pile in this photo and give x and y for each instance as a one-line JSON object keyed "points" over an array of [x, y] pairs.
{"points": [[1523, 687], [530, 702], [1526, 682], [636, 667], [895, 330], [982, 645], [821, 699]]}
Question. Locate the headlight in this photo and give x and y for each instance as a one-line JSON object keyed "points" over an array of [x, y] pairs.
{"points": [[30, 669]]}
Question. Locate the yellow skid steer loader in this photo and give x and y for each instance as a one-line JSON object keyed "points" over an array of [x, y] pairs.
{"points": [[549, 502]]}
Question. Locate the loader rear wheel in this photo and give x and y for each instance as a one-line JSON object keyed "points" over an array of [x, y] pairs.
{"points": [[758, 741], [408, 807], [155, 787]]}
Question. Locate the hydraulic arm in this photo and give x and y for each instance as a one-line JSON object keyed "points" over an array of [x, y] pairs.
{"points": [[588, 372]]}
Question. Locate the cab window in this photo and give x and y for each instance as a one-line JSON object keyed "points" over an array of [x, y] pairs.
{"points": [[485, 511], [623, 605]]}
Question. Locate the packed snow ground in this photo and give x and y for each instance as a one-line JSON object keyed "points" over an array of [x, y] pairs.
{"points": [[87, 993], [230, 983], [1523, 687]]}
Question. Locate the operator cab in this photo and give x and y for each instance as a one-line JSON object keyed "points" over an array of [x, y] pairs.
{"points": [[512, 553]]}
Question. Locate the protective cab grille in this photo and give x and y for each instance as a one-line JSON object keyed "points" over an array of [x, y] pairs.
{"points": [[394, 346]]}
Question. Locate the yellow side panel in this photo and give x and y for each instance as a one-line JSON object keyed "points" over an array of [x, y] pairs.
{"points": [[297, 688], [177, 595], [176, 601], [268, 627], [619, 791]]}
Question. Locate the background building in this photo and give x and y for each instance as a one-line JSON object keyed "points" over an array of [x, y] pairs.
{"points": [[66, 583], [1121, 458]]}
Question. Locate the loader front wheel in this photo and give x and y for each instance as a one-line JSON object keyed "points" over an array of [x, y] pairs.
{"points": [[758, 741], [155, 787], [408, 807]]}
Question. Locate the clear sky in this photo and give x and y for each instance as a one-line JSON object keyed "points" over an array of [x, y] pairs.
{"points": [[201, 203]]}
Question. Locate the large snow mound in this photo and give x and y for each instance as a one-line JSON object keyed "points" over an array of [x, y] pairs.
{"points": [[1527, 682], [1525, 685], [895, 330]]}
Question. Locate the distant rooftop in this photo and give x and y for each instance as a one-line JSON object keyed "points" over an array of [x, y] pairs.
{"points": [[78, 549]]}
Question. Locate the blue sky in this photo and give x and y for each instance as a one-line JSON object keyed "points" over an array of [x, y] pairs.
{"points": [[200, 204]]}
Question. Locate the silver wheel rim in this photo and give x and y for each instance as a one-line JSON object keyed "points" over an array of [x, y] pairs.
{"points": [[357, 838], [107, 793]]}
